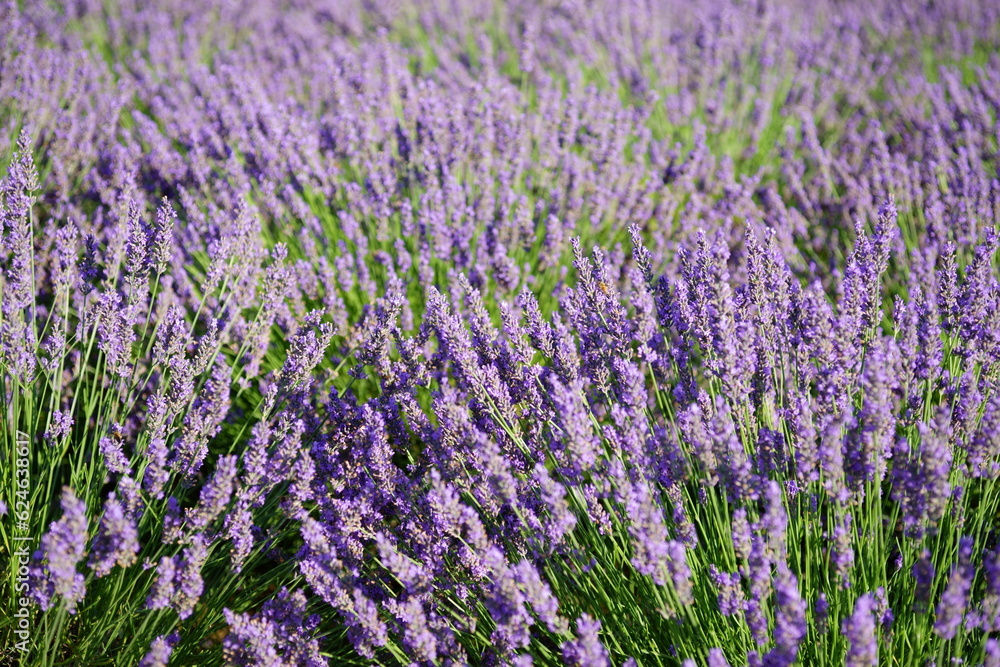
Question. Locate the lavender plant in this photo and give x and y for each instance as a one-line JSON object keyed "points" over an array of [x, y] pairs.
{"points": [[585, 334]]}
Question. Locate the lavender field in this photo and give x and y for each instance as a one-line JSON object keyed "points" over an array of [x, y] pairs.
{"points": [[624, 333]]}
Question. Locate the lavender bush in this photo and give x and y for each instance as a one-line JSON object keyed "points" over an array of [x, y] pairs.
{"points": [[566, 333]]}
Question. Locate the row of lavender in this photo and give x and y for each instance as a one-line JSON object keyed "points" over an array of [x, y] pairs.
{"points": [[297, 316]]}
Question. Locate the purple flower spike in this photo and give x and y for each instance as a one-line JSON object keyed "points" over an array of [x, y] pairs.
{"points": [[62, 549], [586, 650], [859, 628]]}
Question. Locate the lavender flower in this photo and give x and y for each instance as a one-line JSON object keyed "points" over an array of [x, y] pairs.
{"points": [[539, 595], [178, 584], [988, 615], [922, 484], [859, 629], [115, 334], [137, 243], [116, 542], [17, 331], [586, 650], [791, 626], [111, 450], [842, 550], [923, 574], [731, 598], [992, 653], [62, 426], [215, 495], [162, 237], [62, 549], [716, 658], [955, 599], [280, 634], [160, 651]]}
